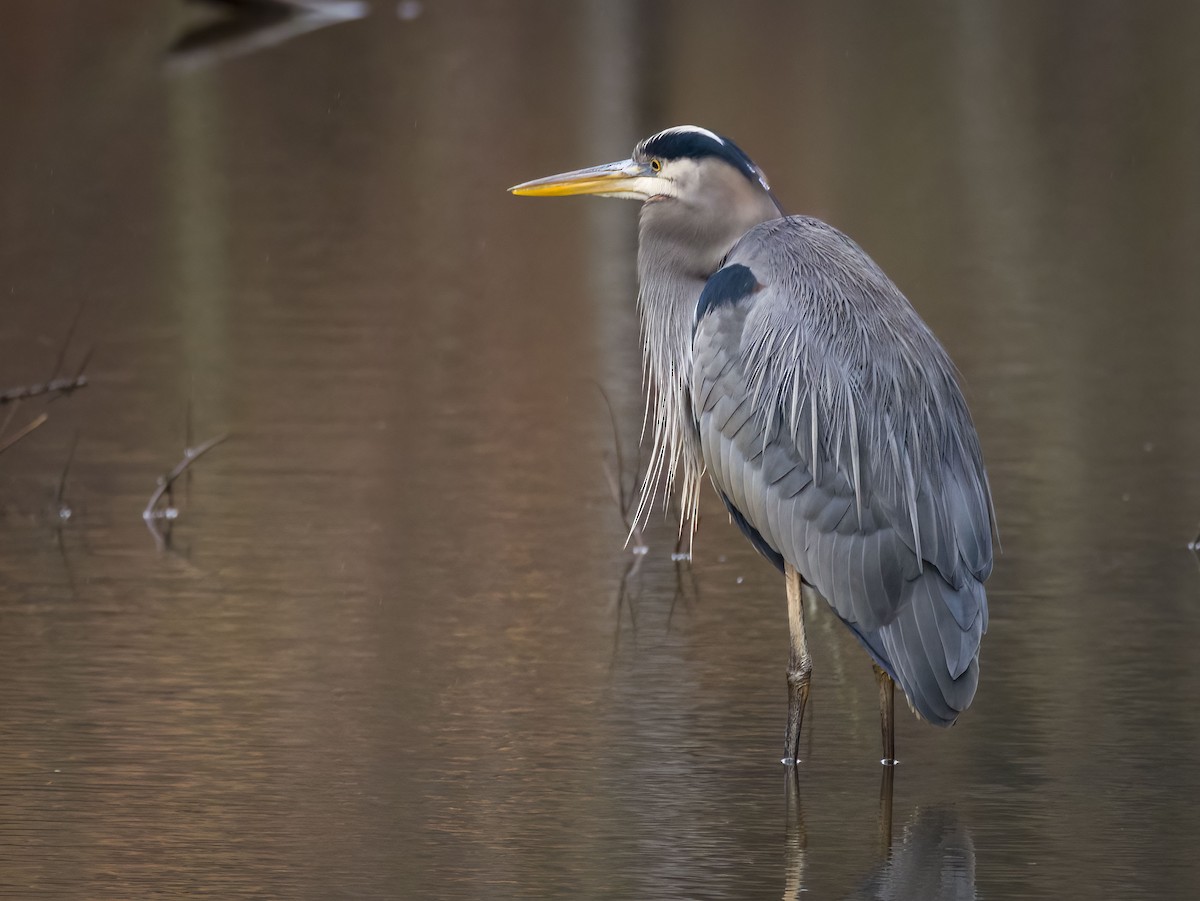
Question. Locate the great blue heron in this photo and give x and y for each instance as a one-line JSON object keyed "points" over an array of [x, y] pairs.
{"points": [[788, 366]]}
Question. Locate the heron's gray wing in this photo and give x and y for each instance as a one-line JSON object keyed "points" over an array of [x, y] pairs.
{"points": [[878, 391], [808, 440], [767, 477]]}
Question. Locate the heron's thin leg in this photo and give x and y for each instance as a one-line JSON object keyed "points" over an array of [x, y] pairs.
{"points": [[799, 666], [887, 715]]}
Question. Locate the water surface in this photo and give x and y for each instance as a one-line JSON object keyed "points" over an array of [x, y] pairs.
{"points": [[398, 648]]}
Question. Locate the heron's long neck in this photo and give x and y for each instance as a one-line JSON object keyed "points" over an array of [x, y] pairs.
{"points": [[678, 249], [671, 275], [668, 293]]}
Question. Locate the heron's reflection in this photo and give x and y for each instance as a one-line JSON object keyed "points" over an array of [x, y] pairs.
{"points": [[251, 25], [932, 858]]}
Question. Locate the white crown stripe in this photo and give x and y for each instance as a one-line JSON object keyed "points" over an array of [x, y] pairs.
{"points": [[689, 129]]}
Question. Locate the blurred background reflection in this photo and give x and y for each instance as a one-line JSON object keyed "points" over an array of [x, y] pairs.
{"points": [[394, 651]]}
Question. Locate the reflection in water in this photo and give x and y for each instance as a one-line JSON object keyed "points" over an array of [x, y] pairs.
{"points": [[624, 482], [251, 25], [797, 839], [933, 859], [630, 588]]}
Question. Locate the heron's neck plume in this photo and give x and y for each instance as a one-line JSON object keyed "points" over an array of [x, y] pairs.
{"points": [[675, 259]]}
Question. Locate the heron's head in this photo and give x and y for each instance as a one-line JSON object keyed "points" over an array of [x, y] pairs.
{"points": [[687, 168], [700, 191]]}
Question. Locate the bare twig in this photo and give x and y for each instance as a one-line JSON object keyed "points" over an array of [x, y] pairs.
{"points": [[12, 411], [190, 456], [62, 354], [616, 482], [63, 512], [683, 564], [54, 386], [87, 358], [62, 552], [619, 488], [60, 387], [80, 378], [25, 431], [187, 442], [625, 598]]}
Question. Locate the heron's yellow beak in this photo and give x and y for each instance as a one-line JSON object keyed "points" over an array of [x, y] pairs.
{"points": [[624, 178]]}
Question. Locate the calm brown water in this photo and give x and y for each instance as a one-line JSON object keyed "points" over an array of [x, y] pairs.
{"points": [[394, 652]]}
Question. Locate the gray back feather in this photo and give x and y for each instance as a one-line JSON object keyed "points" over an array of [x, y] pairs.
{"points": [[866, 390], [831, 419]]}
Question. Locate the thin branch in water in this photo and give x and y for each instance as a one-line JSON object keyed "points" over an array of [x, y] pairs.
{"points": [[60, 508], [187, 442], [63, 514], [80, 379], [87, 358], [62, 551], [1193, 545], [625, 598], [616, 482], [62, 353], [683, 564], [187, 424], [54, 386], [12, 411], [152, 514], [622, 502], [25, 431]]}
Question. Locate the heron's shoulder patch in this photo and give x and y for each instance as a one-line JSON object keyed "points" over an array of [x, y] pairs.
{"points": [[726, 287]]}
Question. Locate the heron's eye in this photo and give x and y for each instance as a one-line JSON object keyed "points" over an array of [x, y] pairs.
{"points": [[656, 165]]}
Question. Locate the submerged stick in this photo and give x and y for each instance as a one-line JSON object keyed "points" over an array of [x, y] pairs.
{"points": [[62, 353], [54, 386], [190, 456], [12, 411], [616, 483], [25, 431], [63, 511]]}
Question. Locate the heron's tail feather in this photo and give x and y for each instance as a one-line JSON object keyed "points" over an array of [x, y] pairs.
{"points": [[933, 645]]}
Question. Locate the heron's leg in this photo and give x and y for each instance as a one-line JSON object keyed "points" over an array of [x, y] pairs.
{"points": [[887, 715], [799, 666]]}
